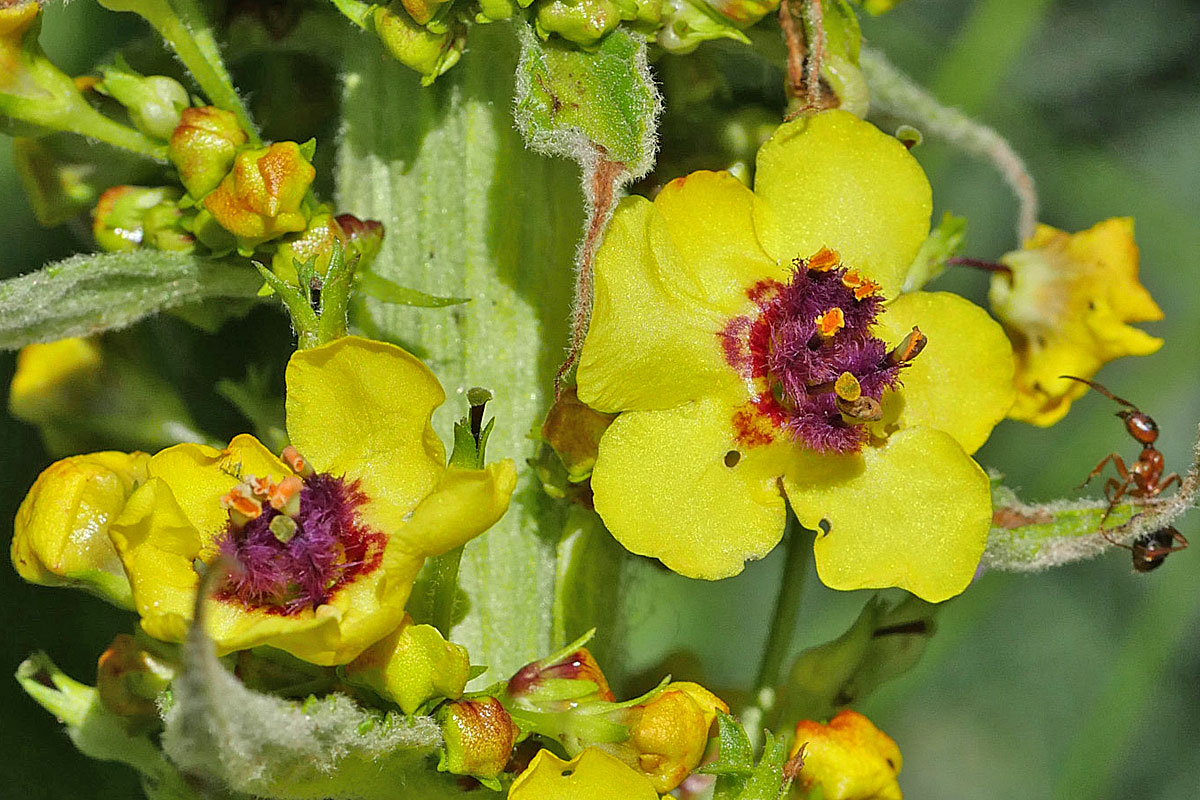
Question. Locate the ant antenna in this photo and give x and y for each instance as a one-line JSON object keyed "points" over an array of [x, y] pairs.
{"points": [[1100, 388]]}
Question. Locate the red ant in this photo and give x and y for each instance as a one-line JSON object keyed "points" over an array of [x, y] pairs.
{"points": [[1142, 480]]}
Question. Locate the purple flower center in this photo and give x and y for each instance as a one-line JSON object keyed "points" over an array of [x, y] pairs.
{"points": [[329, 548], [803, 336]]}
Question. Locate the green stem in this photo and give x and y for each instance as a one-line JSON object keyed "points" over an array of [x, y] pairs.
{"points": [[787, 605], [94, 125], [443, 583]]}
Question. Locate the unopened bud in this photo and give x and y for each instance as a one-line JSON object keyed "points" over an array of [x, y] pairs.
{"points": [[412, 666], [429, 53], [363, 237], [203, 146], [687, 23], [478, 736], [154, 102], [848, 758], [568, 681], [581, 21], [129, 679], [574, 430], [119, 221], [260, 198], [60, 535], [668, 734]]}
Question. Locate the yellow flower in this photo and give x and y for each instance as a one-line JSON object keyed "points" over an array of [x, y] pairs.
{"points": [[323, 548], [705, 334], [1065, 306], [591, 775], [50, 377], [60, 535], [849, 758]]}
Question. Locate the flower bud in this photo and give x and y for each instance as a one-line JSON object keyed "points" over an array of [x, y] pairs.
{"points": [[260, 199], [591, 775], [572, 680], [203, 146], [16, 20], [425, 51], [668, 734], [478, 735], [412, 666], [314, 243], [422, 11], [60, 535], [743, 13], [51, 377], [581, 21], [129, 679], [687, 23], [574, 430], [849, 758], [119, 218], [363, 238], [154, 102]]}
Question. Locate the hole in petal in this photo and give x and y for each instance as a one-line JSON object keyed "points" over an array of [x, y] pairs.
{"points": [[732, 458], [566, 773]]}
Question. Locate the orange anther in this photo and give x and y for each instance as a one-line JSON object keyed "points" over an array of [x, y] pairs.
{"points": [[863, 287], [909, 348], [824, 260], [284, 491], [260, 487], [239, 501], [830, 322], [291, 456]]}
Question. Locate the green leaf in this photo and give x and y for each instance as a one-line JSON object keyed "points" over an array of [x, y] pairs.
{"points": [[391, 292], [90, 293], [735, 755], [765, 782], [943, 243], [569, 99]]}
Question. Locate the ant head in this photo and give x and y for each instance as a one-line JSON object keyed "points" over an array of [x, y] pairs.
{"points": [[1140, 426]]}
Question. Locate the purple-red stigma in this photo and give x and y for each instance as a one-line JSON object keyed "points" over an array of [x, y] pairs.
{"points": [[306, 543], [806, 335]]}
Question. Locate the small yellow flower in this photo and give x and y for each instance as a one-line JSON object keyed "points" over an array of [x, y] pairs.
{"points": [[1065, 306], [714, 333], [51, 376], [60, 535], [412, 665], [591, 775], [323, 549], [849, 758]]}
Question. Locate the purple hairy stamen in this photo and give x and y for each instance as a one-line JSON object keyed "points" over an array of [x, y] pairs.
{"points": [[331, 546]]}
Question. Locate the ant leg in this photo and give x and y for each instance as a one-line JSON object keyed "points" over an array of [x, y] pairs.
{"points": [[1172, 478], [1116, 459], [1179, 537], [1114, 496]]}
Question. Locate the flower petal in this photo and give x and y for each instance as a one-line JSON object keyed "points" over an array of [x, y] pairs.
{"points": [[832, 180], [710, 218], [663, 487], [962, 382], [362, 409], [591, 775], [653, 339], [913, 513], [198, 476], [157, 544], [465, 503]]}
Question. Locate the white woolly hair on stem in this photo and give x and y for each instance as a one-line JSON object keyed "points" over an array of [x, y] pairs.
{"points": [[895, 94]]}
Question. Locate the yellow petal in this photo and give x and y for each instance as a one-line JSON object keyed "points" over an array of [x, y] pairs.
{"points": [[49, 375], [157, 544], [60, 534], [710, 218], [412, 665], [1066, 306], [833, 180], [912, 513], [653, 341], [591, 775], [465, 503], [362, 409], [962, 382], [663, 487], [198, 475]]}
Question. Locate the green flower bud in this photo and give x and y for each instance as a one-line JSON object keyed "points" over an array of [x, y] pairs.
{"points": [[129, 680], [497, 10], [119, 219], [154, 103], [581, 21], [203, 147], [422, 11], [260, 198], [687, 23], [315, 242], [412, 666], [478, 735], [163, 229], [363, 238], [743, 13], [429, 53]]}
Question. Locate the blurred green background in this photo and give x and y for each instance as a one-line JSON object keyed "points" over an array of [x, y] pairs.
{"points": [[1082, 683]]}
